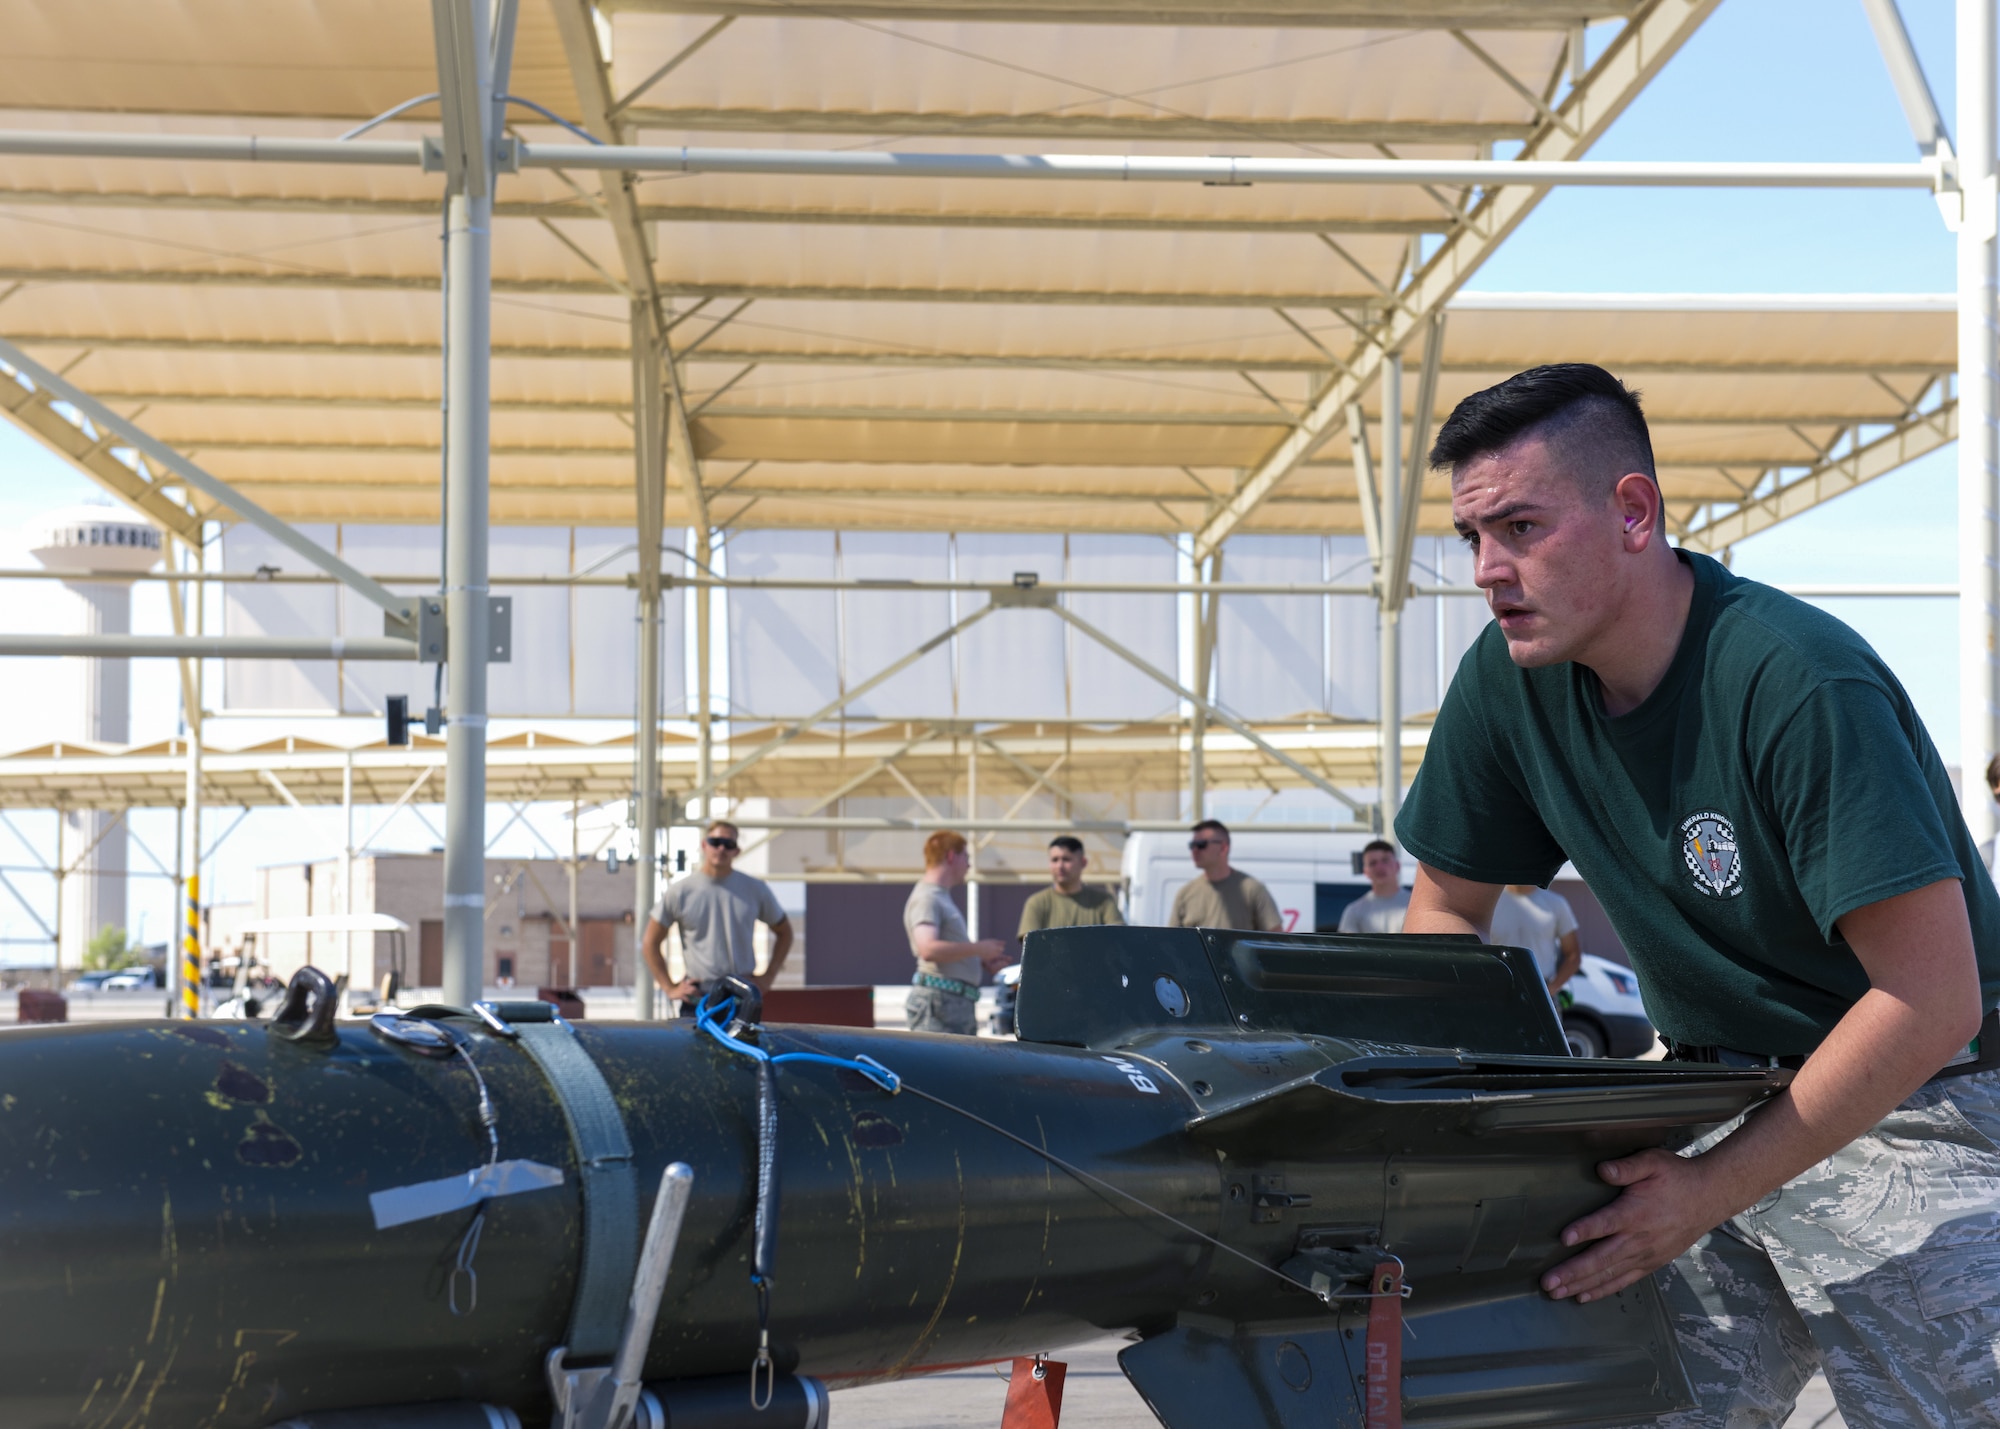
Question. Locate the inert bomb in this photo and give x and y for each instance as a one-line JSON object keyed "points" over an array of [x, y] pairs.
{"points": [[1214, 1140]]}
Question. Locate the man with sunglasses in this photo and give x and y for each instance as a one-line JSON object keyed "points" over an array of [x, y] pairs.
{"points": [[717, 909], [1223, 897]]}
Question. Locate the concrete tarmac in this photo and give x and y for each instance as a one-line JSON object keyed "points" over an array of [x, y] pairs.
{"points": [[1096, 1395]]}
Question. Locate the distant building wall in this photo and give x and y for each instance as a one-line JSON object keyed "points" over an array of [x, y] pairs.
{"points": [[527, 905]]}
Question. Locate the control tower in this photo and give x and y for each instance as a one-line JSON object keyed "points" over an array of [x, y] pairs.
{"points": [[110, 546]]}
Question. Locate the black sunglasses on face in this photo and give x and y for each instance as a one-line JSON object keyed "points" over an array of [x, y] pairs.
{"points": [[1202, 843], [729, 844]]}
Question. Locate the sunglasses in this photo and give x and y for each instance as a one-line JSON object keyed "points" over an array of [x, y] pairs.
{"points": [[1199, 844], [729, 844]]}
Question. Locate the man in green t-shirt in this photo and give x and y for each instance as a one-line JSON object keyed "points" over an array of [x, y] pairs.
{"points": [[1068, 902], [1748, 789]]}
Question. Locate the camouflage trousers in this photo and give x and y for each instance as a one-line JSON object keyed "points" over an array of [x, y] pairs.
{"points": [[930, 1009], [1880, 1265]]}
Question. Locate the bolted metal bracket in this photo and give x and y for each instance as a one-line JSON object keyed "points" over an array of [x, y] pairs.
{"points": [[1025, 593], [499, 629], [666, 816], [428, 632], [506, 154]]}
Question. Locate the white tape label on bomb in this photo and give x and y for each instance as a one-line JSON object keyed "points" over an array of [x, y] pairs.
{"points": [[399, 1205]]}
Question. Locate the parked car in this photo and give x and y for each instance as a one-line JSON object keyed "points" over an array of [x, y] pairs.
{"points": [[127, 979], [1602, 1015], [1006, 992], [91, 981]]}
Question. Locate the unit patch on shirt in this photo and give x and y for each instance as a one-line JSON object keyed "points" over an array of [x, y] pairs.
{"points": [[1708, 848]]}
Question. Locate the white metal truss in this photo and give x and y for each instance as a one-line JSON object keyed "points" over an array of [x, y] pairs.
{"points": [[1653, 36]]}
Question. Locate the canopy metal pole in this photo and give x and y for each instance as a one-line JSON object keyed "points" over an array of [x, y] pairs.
{"points": [[649, 450], [471, 51], [958, 823], [1206, 611], [704, 716], [198, 647], [176, 977], [468, 256], [1978, 441], [1388, 608], [347, 866], [190, 958], [849, 163]]}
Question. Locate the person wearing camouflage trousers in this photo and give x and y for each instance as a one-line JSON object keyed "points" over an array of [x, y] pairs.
{"points": [[1749, 791], [1878, 1265]]}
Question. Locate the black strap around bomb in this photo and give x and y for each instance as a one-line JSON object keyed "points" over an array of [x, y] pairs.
{"points": [[604, 1167]]}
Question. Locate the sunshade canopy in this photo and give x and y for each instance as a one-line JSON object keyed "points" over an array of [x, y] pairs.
{"points": [[890, 352]]}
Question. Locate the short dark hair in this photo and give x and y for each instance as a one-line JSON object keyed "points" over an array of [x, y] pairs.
{"points": [[1215, 824], [1993, 771], [1592, 422], [1069, 843], [1374, 844]]}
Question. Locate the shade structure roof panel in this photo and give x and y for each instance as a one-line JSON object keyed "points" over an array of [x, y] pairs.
{"points": [[975, 74], [900, 352], [259, 58]]}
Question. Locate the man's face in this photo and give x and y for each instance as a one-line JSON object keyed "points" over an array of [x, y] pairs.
{"points": [[1383, 870], [956, 866], [1210, 851], [1547, 555], [1066, 868], [718, 852]]}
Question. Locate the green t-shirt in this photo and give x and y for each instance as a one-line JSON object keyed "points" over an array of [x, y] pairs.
{"points": [[1777, 779], [1088, 907]]}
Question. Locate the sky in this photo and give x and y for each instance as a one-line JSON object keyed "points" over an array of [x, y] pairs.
{"points": [[1762, 79]]}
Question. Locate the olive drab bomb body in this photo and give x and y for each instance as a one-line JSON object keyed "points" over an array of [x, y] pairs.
{"points": [[1213, 1139]]}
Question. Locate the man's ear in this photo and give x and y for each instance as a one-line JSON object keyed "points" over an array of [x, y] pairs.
{"points": [[1636, 500]]}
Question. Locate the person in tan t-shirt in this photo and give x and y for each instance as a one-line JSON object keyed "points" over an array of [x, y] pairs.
{"points": [[1222, 897], [944, 996]]}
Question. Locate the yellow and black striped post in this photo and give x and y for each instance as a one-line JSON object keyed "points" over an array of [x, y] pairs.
{"points": [[191, 952]]}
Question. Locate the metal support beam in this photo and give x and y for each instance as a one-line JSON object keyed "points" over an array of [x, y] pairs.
{"points": [[1208, 606], [791, 732], [1979, 438], [214, 647], [558, 209], [1918, 434], [778, 823], [1536, 172], [649, 440], [1906, 73], [1396, 534], [1635, 55], [1212, 711], [213, 487], [467, 65], [1390, 15]]}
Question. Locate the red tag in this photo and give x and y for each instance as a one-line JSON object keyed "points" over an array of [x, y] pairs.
{"points": [[1385, 1347], [1034, 1395]]}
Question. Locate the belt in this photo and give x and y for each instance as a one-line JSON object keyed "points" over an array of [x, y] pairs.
{"points": [[1982, 1054], [947, 984]]}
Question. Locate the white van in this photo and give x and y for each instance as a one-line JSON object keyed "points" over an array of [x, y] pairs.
{"points": [[1313, 877]]}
